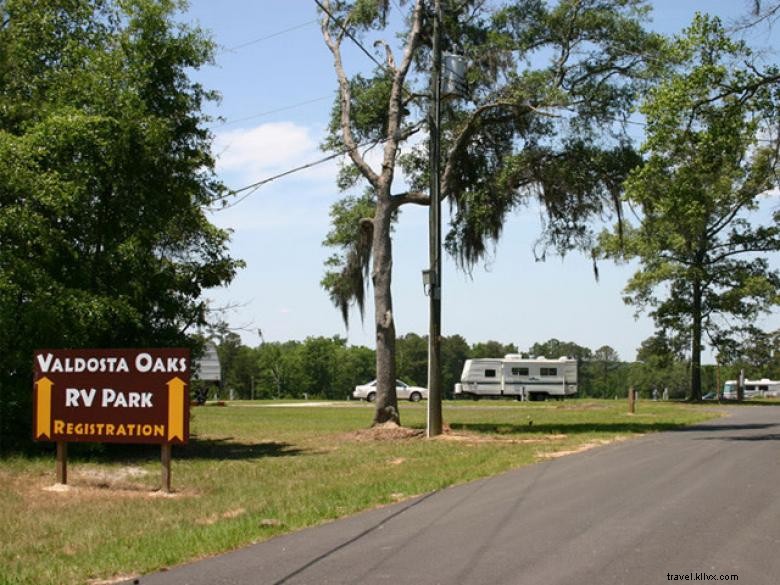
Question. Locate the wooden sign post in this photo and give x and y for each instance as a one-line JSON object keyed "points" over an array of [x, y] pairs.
{"points": [[112, 396], [165, 456], [62, 462]]}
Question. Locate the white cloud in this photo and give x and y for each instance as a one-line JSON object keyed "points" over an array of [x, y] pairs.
{"points": [[247, 155], [251, 154], [772, 193]]}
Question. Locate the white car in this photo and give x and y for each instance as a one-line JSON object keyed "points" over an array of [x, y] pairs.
{"points": [[402, 390]]}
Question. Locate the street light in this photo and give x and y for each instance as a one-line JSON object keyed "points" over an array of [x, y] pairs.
{"points": [[427, 280]]}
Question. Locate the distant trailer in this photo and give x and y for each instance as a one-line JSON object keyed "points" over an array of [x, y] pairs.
{"points": [[208, 368], [518, 377], [753, 388]]}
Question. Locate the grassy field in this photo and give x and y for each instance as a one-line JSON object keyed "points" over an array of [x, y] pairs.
{"points": [[255, 470]]}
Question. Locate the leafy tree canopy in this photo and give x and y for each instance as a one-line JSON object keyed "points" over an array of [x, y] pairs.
{"points": [[105, 167], [554, 348], [540, 121], [711, 152]]}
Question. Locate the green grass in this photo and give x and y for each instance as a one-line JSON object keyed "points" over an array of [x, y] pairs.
{"points": [[253, 470]]}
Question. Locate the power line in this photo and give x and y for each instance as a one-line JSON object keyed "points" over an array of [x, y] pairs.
{"points": [[349, 34], [274, 111], [251, 188], [271, 36]]}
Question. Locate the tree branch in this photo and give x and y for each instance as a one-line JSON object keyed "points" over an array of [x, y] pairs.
{"points": [[468, 130], [769, 246], [723, 222], [415, 197], [345, 101], [389, 59], [395, 107]]}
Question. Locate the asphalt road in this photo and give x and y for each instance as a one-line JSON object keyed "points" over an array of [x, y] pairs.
{"points": [[702, 502]]}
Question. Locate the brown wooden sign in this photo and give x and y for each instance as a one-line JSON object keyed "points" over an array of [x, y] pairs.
{"points": [[112, 395]]}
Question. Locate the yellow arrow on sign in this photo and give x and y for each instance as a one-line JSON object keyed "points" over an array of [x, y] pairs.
{"points": [[43, 412], [176, 409]]}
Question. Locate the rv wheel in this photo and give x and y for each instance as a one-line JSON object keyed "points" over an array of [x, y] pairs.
{"points": [[371, 396], [415, 397]]}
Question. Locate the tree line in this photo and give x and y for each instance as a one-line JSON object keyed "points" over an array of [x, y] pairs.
{"points": [[328, 368]]}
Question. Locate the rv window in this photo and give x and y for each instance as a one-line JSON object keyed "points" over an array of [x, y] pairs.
{"points": [[548, 371], [763, 388], [490, 373], [519, 371]]}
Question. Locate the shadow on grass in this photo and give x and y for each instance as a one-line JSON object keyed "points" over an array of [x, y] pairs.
{"points": [[226, 448], [214, 449], [566, 428]]}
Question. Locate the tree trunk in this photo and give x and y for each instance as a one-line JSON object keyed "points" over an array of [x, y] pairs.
{"points": [[386, 399], [696, 343]]}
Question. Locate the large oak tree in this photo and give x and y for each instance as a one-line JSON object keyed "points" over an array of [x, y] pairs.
{"points": [[548, 87]]}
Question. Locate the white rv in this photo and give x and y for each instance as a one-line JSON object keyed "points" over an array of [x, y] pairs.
{"points": [[753, 388], [521, 378]]}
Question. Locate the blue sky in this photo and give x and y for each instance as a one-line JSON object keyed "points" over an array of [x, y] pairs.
{"points": [[276, 79]]}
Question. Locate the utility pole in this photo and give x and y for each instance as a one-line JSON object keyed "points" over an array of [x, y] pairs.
{"points": [[434, 426]]}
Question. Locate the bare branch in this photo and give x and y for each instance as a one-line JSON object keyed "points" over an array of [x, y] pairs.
{"points": [[724, 221], [345, 101], [389, 59], [395, 107]]}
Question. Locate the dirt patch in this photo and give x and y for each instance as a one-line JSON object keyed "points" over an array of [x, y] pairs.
{"points": [[130, 481], [214, 518], [119, 477], [388, 431], [271, 523], [392, 432], [578, 448], [583, 407], [475, 438], [91, 484], [76, 492], [114, 580]]}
